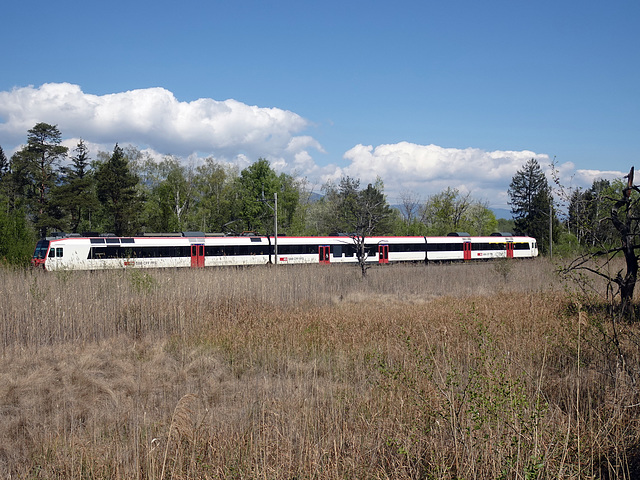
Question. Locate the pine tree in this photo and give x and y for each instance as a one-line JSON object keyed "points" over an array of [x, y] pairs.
{"points": [[117, 191], [75, 196], [35, 171], [531, 202]]}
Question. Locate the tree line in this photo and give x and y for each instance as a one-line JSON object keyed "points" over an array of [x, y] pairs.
{"points": [[45, 188]]}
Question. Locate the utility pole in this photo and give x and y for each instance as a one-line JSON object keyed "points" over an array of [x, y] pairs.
{"points": [[275, 226], [275, 222], [551, 230]]}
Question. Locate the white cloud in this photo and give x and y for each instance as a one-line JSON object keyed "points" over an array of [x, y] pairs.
{"points": [[155, 121], [429, 169], [154, 118]]}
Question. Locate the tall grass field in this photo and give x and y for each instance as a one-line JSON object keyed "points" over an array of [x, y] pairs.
{"points": [[463, 371]]}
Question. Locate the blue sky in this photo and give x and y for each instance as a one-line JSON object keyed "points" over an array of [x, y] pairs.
{"points": [[424, 94]]}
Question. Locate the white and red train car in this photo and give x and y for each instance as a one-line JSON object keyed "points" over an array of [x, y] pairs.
{"points": [[194, 249]]}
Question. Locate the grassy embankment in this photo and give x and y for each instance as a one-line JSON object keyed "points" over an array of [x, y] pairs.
{"points": [[488, 370]]}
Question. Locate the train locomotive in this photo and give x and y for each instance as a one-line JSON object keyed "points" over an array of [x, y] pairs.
{"points": [[197, 250]]}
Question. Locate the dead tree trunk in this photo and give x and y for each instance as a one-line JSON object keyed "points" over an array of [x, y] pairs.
{"points": [[626, 282]]}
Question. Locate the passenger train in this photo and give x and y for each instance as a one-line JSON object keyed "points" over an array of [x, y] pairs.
{"points": [[196, 249]]}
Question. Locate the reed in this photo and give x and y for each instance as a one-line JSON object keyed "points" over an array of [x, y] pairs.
{"points": [[438, 371]]}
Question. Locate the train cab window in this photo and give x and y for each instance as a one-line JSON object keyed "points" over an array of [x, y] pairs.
{"points": [[59, 252]]}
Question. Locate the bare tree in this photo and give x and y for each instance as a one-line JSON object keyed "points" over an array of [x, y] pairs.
{"points": [[625, 218], [410, 206], [358, 213]]}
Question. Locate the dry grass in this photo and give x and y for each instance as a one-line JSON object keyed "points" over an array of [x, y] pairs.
{"points": [[447, 371]]}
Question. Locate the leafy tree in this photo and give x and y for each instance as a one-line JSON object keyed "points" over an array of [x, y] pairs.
{"points": [[531, 203], [170, 197], [479, 219], [36, 169], [16, 237], [117, 191], [443, 212], [451, 211], [214, 197], [256, 186], [505, 225], [75, 196]]}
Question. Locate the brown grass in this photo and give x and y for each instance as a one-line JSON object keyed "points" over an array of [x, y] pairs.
{"points": [[441, 371]]}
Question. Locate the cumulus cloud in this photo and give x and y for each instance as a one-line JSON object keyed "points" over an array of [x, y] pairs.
{"points": [[153, 118], [429, 169], [155, 121]]}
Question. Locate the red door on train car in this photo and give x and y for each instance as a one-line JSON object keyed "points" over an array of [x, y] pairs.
{"points": [[466, 249], [324, 254], [509, 249], [197, 256], [383, 253]]}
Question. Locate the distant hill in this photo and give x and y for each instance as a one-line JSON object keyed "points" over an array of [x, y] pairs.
{"points": [[502, 213]]}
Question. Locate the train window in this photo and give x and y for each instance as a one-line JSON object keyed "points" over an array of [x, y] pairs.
{"points": [[41, 249], [97, 240], [127, 240], [444, 247], [59, 252], [214, 251], [337, 251], [488, 246]]}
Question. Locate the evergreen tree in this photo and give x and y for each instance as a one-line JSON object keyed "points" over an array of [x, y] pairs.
{"points": [[4, 164], [75, 196], [531, 203], [35, 170], [117, 191]]}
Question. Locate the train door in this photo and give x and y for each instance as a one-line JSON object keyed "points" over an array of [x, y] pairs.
{"points": [[323, 254], [509, 249], [383, 253], [197, 256], [466, 249]]}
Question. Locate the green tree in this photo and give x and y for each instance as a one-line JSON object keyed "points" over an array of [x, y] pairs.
{"points": [[16, 237], [117, 191], [505, 225], [75, 196], [256, 187], [35, 171], [4, 164], [450, 211], [170, 197], [215, 197], [532, 204], [443, 212], [479, 219]]}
